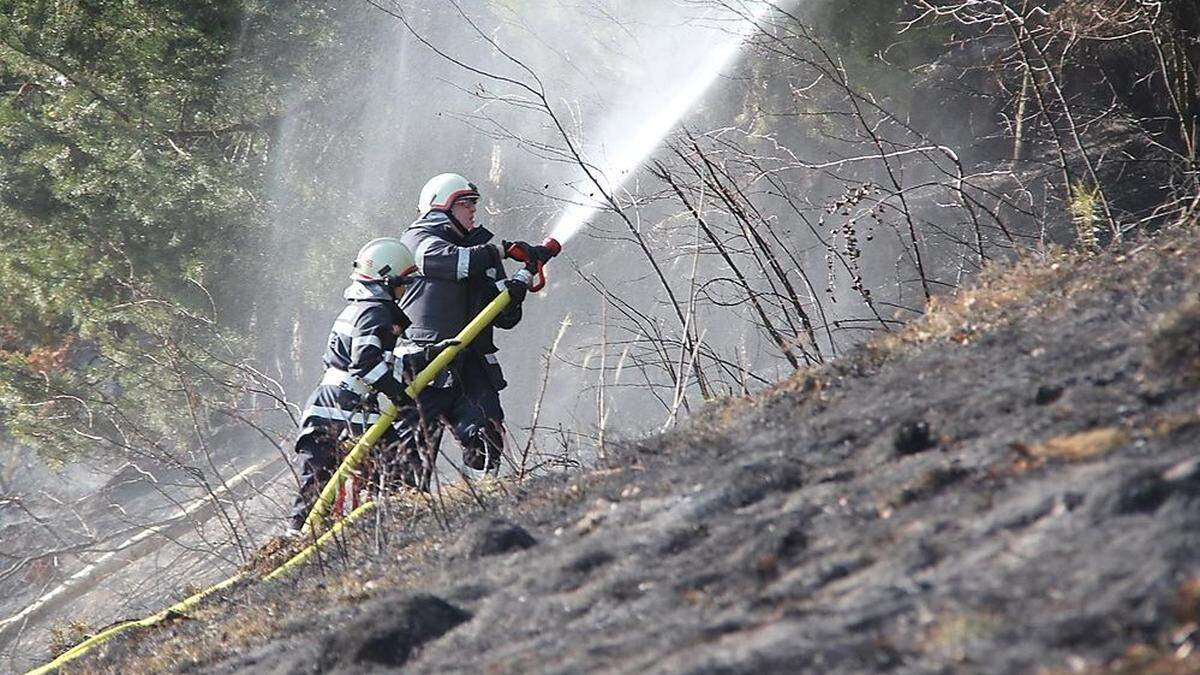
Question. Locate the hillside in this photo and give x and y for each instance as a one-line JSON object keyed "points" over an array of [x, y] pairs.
{"points": [[872, 344], [1010, 484]]}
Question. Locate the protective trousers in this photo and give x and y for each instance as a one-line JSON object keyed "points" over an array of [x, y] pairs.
{"points": [[470, 407], [318, 452], [321, 451]]}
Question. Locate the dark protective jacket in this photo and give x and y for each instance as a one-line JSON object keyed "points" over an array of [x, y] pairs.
{"points": [[365, 356], [358, 360], [459, 273]]}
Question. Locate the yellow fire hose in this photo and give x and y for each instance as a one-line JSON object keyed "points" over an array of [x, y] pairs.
{"points": [[105, 635], [311, 549], [422, 380], [193, 600], [324, 501]]}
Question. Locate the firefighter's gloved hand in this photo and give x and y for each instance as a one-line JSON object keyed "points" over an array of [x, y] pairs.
{"points": [[517, 250], [394, 390], [400, 399], [540, 253], [516, 288], [527, 253], [432, 351]]}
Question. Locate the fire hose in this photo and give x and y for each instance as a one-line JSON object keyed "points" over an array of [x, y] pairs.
{"points": [[107, 634], [535, 258]]}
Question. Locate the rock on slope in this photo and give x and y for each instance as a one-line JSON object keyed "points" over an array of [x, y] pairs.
{"points": [[1009, 485]]}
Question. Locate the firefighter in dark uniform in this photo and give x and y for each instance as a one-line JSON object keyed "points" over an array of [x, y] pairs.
{"points": [[458, 273], [359, 359]]}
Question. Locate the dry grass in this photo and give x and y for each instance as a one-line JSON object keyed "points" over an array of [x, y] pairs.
{"points": [[727, 413], [66, 636], [1168, 424], [1035, 286], [51, 358], [1084, 207], [274, 553], [242, 627], [1075, 447], [952, 632], [1028, 288], [1002, 294], [594, 517]]}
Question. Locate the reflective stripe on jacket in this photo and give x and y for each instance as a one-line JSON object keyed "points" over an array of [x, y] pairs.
{"points": [[358, 359], [459, 273]]}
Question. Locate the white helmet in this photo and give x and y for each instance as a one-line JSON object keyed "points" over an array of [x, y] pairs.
{"points": [[443, 190], [382, 258]]}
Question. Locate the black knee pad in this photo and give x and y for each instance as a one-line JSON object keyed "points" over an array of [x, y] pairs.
{"points": [[475, 457], [483, 453]]}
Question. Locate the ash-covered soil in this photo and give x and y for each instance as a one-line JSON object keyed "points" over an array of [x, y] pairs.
{"points": [[1010, 485]]}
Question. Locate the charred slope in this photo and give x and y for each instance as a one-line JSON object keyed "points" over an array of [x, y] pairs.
{"points": [[1011, 484]]}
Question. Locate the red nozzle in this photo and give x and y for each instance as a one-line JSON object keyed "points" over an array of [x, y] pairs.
{"points": [[523, 252], [534, 259]]}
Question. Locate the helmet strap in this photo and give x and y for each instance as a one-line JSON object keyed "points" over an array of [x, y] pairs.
{"points": [[462, 231]]}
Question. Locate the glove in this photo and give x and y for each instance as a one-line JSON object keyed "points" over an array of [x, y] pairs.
{"points": [[401, 399], [541, 253], [517, 250], [432, 351], [526, 253], [516, 290], [389, 387]]}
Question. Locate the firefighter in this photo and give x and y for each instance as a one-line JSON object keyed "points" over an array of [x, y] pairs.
{"points": [[459, 273], [358, 365]]}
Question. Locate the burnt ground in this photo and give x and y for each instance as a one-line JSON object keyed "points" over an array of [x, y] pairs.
{"points": [[1010, 485]]}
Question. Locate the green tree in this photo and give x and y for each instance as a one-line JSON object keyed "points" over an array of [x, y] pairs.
{"points": [[135, 137]]}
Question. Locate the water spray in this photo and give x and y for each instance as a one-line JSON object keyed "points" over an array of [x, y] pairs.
{"points": [[635, 147], [611, 176]]}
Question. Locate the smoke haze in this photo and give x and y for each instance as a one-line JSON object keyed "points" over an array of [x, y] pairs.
{"points": [[616, 75]]}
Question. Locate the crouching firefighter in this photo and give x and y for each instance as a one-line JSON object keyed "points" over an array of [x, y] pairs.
{"points": [[359, 365], [460, 273]]}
